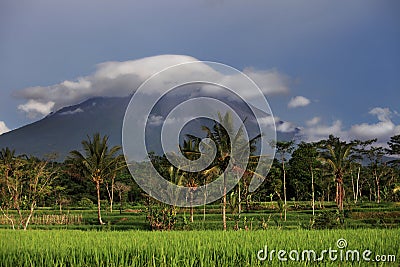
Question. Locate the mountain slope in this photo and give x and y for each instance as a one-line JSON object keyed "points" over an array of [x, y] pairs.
{"points": [[64, 130]]}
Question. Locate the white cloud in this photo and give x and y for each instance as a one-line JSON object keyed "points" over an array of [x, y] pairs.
{"points": [[281, 126], [285, 127], [109, 79], [298, 101], [383, 129], [155, 120], [35, 108], [270, 81], [71, 112], [318, 132], [313, 121], [3, 127], [267, 121], [383, 114], [122, 78]]}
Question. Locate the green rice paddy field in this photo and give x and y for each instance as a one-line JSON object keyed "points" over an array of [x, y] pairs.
{"points": [[192, 248], [73, 238]]}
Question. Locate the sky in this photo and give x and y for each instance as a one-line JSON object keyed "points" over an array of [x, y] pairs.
{"points": [[329, 67]]}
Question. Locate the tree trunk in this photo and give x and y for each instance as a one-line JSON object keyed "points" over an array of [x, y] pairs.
{"points": [[8, 217], [343, 196], [357, 184], [112, 194], [205, 201], [339, 192], [370, 194], [378, 189], [284, 186], [321, 205], [224, 204], [191, 206], [30, 215], [353, 187], [312, 192], [328, 193], [120, 202], [240, 200], [98, 202]]}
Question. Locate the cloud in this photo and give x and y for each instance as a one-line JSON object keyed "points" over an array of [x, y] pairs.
{"points": [[269, 81], [71, 112], [3, 127], [267, 121], [122, 78], [285, 127], [313, 121], [35, 108], [383, 129], [155, 120], [109, 79], [298, 101], [383, 114], [281, 126], [318, 132]]}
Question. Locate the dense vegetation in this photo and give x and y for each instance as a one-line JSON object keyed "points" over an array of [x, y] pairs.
{"points": [[325, 191], [313, 173]]}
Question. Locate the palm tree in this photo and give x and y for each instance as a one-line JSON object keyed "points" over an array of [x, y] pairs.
{"points": [[190, 149], [220, 136], [394, 148], [336, 153], [97, 162], [6, 155]]}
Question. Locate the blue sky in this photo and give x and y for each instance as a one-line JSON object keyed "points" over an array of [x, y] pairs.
{"points": [[343, 56]]}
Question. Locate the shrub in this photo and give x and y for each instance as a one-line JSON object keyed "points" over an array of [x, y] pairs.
{"points": [[328, 220], [86, 203], [160, 216]]}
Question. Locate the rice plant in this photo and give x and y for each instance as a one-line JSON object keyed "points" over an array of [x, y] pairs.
{"points": [[185, 248]]}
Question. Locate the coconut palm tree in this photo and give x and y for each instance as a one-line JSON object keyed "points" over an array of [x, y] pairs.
{"points": [[220, 136], [190, 149], [336, 153], [97, 162], [6, 155]]}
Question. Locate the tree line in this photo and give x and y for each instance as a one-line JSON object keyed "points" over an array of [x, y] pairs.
{"points": [[328, 170]]}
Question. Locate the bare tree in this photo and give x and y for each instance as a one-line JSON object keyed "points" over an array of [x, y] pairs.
{"points": [[121, 189], [24, 182]]}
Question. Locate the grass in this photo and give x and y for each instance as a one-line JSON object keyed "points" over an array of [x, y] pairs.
{"points": [[126, 240], [181, 248]]}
